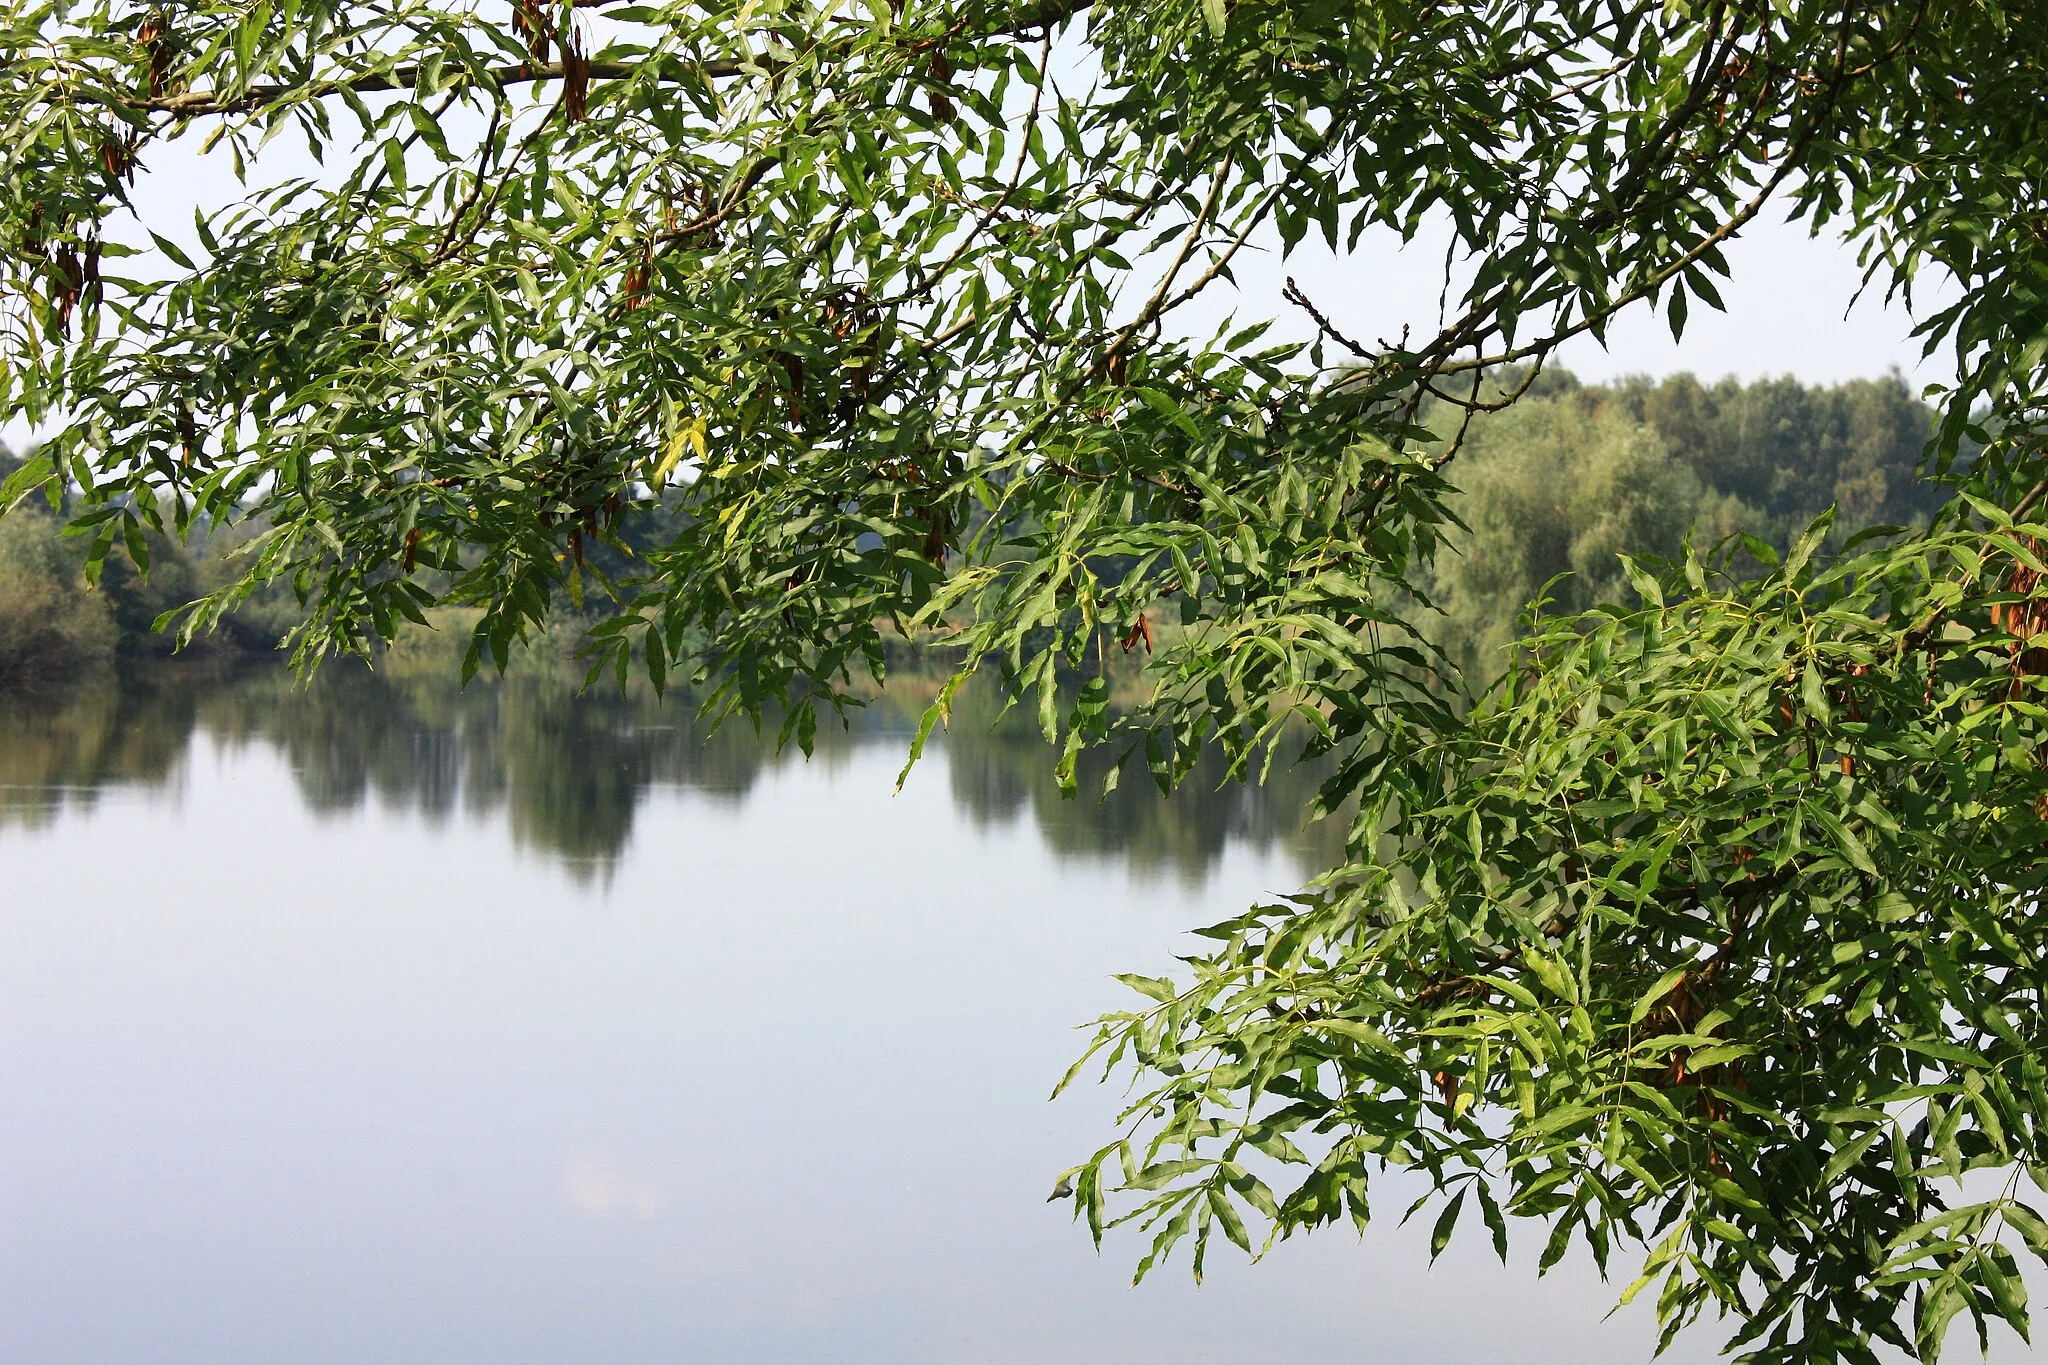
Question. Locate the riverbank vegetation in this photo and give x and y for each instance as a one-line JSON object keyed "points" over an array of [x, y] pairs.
{"points": [[58, 624]]}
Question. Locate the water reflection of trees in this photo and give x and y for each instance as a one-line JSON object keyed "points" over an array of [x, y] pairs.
{"points": [[1000, 771], [567, 772], [61, 751]]}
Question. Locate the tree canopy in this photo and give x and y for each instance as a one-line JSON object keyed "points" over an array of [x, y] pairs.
{"points": [[1712, 923]]}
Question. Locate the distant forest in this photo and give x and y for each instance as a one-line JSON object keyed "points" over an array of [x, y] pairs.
{"points": [[1575, 474], [1560, 483]]}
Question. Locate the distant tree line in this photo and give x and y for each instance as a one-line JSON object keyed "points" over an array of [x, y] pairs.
{"points": [[1576, 474], [1558, 484]]}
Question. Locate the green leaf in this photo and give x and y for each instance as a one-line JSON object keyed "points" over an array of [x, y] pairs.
{"points": [[1648, 1000], [1152, 987], [1813, 693], [1844, 839], [1645, 584], [394, 161], [1809, 541], [1359, 1032], [1552, 973], [172, 250], [1446, 1223], [1227, 1217], [2029, 1225], [35, 472], [1160, 402], [1160, 1174]]}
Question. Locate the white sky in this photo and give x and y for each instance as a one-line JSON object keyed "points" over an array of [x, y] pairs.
{"points": [[1789, 311]]}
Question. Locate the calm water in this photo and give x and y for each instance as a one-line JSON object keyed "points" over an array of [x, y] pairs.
{"points": [[385, 1023]]}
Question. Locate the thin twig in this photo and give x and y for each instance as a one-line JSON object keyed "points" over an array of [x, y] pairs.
{"points": [[1292, 292]]}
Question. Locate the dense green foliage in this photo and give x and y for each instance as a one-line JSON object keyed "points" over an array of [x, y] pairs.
{"points": [[1698, 934], [1571, 476], [886, 298]]}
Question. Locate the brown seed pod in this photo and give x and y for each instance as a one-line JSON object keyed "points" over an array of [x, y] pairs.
{"points": [[794, 368], [942, 71], [154, 35], [533, 29], [72, 276], [1854, 706], [575, 77], [860, 377], [118, 160], [937, 524], [2023, 619], [1446, 1088]]}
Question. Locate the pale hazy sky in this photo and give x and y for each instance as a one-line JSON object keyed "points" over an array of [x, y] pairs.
{"points": [[1788, 311]]}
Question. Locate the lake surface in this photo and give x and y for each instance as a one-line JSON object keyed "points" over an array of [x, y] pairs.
{"points": [[389, 1022]]}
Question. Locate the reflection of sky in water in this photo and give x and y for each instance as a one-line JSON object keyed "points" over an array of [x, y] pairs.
{"points": [[604, 1189], [278, 1085]]}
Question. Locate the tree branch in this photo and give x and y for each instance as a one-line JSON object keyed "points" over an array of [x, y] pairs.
{"points": [[1035, 20], [198, 103]]}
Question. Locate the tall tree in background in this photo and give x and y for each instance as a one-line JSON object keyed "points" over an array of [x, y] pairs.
{"points": [[1715, 926]]}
